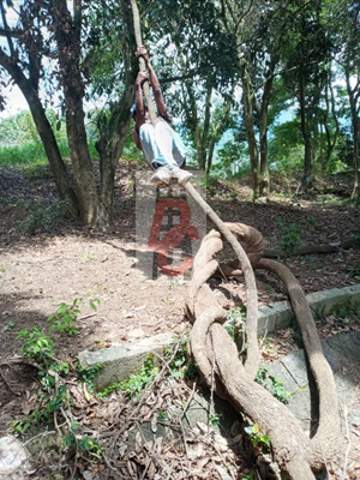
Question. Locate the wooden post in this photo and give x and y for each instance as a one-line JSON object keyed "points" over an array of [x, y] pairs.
{"points": [[142, 66]]}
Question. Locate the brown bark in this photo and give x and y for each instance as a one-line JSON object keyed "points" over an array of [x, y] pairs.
{"points": [[253, 356], [326, 439], [306, 133], [291, 449], [297, 454], [56, 163], [67, 34], [247, 99], [113, 130], [264, 175], [330, 110], [355, 124]]}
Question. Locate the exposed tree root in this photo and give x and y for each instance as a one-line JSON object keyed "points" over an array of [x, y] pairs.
{"points": [[353, 242], [296, 453]]}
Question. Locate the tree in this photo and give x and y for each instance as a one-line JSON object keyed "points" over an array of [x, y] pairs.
{"points": [[186, 48], [307, 59], [21, 59], [349, 60], [206, 115], [48, 33], [256, 28]]}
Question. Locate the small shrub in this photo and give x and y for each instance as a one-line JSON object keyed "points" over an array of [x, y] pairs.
{"points": [[258, 439], [88, 374], [290, 236], [90, 447], [36, 345], [273, 385], [42, 217], [346, 310], [182, 365], [65, 318], [236, 326], [214, 420]]}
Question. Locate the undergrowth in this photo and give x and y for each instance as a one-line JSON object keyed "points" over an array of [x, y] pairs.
{"points": [[290, 236], [43, 217], [53, 401], [273, 385]]}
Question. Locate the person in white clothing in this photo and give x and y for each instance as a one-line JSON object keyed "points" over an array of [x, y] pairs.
{"points": [[162, 146]]}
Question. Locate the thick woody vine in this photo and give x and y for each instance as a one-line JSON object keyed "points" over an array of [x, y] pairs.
{"points": [[298, 455]]}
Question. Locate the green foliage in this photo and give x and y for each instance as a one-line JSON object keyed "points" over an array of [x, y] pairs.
{"points": [[20, 144], [214, 420], [273, 385], [232, 160], [135, 383], [346, 310], [65, 318], [53, 398], [236, 325], [258, 439], [90, 447], [182, 365], [237, 315], [9, 326], [23, 155], [290, 236], [36, 345], [163, 416], [249, 476], [286, 150], [88, 374], [40, 217], [53, 372], [94, 303]]}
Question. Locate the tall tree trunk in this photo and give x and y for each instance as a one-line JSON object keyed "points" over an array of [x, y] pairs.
{"points": [[306, 133], [204, 137], [67, 33], [46, 134], [247, 99], [264, 181], [57, 165], [331, 139], [109, 146], [355, 125]]}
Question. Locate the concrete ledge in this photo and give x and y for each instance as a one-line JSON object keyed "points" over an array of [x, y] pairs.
{"points": [[279, 315], [121, 360]]}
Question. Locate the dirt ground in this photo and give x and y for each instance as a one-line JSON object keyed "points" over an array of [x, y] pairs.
{"points": [[60, 262], [39, 271]]}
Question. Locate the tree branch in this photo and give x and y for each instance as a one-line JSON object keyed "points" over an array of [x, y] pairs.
{"points": [[6, 29]]}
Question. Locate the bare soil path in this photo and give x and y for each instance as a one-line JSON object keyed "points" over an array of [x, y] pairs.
{"points": [[39, 271]]}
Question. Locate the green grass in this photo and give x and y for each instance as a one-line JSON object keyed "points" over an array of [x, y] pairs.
{"points": [[22, 155], [28, 155]]}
